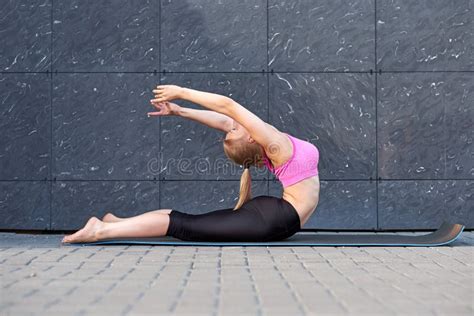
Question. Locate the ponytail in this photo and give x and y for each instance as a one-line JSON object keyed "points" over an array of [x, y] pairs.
{"points": [[245, 188], [243, 154]]}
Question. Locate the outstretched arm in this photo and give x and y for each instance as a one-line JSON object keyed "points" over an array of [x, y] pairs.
{"points": [[275, 143], [212, 101], [210, 118]]}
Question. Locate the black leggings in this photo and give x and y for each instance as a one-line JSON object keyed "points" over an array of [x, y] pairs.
{"points": [[263, 218]]}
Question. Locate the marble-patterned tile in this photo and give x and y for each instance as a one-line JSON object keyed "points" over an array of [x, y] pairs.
{"points": [[459, 201], [335, 112], [342, 205], [26, 35], [425, 125], [74, 202], [25, 126], [100, 127], [425, 204], [191, 150], [213, 36], [321, 35], [197, 197], [458, 94], [25, 205], [120, 35], [425, 35]]}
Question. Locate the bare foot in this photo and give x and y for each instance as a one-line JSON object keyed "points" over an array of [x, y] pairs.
{"points": [[111, 218], [86, 234]]}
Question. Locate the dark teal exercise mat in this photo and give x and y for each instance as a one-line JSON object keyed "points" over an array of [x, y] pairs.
{"points": [[446, 234]]}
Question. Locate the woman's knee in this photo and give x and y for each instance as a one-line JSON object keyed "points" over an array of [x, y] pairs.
{"points": [[164, 211]]}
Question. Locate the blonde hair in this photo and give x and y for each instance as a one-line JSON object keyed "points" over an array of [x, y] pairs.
{"points": [[245, 154]]}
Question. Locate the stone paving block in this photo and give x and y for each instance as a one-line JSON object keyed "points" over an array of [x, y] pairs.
{"points": [[238, 310], [143, 309], [20, 310], [158, 295], [279, 310], [455, 310]]}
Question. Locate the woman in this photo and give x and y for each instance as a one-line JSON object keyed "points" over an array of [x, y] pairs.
{"points": [[249, 141]]}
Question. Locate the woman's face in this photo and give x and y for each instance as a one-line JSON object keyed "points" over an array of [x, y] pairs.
{"points": [[237, 131]]}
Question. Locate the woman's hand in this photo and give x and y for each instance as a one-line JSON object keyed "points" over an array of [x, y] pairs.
{"points": [[164, 109], [167, 93]]}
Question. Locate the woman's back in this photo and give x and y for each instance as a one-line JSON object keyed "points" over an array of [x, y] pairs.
{"points": [[299, 176]]}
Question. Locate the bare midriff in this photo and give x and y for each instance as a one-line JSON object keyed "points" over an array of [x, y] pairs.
{"points": [[304, 196]]}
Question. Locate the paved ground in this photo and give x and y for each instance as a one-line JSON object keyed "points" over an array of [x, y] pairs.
{"points": [[39, 276]]}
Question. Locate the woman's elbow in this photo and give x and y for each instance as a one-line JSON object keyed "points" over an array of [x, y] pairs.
{"points": [[228, 106]]}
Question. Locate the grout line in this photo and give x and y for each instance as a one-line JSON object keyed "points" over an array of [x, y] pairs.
{"points": [[377, 227], [50, 205], [51, 119], [268, 31], [377, 179], [159, 118], [446, 140], [269, 176], [196, 180], [268, 90], [241, 72], [425, 71], [375, 34]]}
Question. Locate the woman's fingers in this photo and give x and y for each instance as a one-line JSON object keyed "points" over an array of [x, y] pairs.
{"points": [[153, 114], [158, 101], [157, 105], [160, 94]]}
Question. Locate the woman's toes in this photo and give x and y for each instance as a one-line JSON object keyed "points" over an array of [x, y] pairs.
{"points": [[109, 217], [88, 233], [67, 238]]}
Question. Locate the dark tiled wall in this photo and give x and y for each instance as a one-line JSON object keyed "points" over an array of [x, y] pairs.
{"points": [[385, 89]]}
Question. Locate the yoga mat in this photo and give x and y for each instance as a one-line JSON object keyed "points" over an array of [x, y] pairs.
{"points": [[447, 233]]}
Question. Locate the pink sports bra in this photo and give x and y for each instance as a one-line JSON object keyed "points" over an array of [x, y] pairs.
{"points": [[302, 164]]}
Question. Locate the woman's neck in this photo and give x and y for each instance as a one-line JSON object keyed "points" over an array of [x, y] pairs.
{"points": [[260, 161]]}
